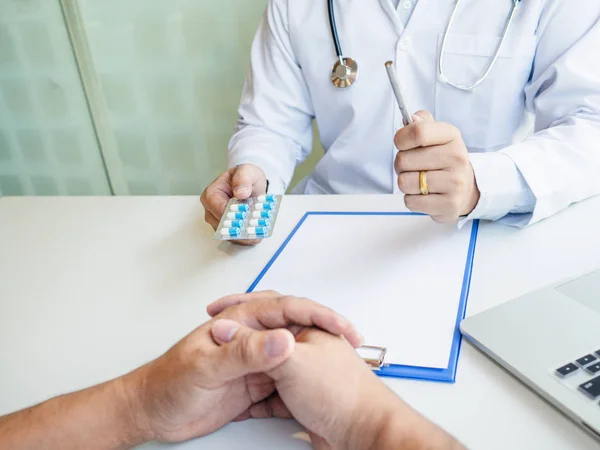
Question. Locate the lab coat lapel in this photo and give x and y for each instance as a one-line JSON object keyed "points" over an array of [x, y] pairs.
{"points": [[421, 17], [388, 7]]}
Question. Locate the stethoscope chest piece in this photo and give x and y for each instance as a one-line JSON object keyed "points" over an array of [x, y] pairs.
{"points": [[344, 73]]}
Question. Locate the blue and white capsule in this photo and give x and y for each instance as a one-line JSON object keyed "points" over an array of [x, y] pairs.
{"points": [[231, 232], [262, 214], [233, 223], [264, 207], [260, 223], [239, 207], [256, 231], [237, 215], [267, 198]]}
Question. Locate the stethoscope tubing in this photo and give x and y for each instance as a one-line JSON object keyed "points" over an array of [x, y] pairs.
{"points": [[441, 73], [482, 78]]}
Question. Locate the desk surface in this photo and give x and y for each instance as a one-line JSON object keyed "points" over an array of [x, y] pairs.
{"points": [[93, 287]]}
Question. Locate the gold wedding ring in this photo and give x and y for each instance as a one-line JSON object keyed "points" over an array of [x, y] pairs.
{"points": [[423, 182]]}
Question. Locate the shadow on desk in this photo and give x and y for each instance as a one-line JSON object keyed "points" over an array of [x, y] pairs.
{"points": [[185, 254], [254, 434]]}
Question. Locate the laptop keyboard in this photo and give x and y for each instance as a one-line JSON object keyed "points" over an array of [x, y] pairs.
{"points": [[582, 374], [593, 368]]}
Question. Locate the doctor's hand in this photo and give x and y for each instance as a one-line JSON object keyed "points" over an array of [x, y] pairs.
{"points": [[198, 386], [330, 390], [241, 182], [438, 149]]}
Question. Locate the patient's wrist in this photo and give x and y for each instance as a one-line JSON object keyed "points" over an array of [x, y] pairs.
{"points": [[407, 430], [134, 426]]}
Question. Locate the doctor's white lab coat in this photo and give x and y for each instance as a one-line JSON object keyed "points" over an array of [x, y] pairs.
{"points": [[549, 69]]}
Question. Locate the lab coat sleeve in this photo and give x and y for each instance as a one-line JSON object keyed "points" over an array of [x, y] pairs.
{"points": [[560, 163], [274, 128]]}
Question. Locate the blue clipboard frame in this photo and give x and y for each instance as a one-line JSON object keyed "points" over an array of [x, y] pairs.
{"points": [[446, 375]]}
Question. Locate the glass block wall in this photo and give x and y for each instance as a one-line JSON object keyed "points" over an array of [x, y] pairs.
{"points": [[169, 72], [47, 141]]}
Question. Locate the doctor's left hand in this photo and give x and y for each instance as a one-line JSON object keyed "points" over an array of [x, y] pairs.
{"points": [[438, 149]]}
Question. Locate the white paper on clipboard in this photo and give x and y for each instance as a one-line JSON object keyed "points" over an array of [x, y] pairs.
{"points": [[398, 278]]}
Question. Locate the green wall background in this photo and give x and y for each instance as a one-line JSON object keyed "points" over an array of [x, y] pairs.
{"points": [[162, 84], [47, 140]]}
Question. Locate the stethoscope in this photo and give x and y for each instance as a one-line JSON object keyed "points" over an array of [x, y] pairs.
{"points": [[345, 70]]}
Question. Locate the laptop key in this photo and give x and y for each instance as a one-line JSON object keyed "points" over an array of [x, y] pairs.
{"points": [[593, 368], [586, 360], [597, 353], [591, 388], [566, 370]]}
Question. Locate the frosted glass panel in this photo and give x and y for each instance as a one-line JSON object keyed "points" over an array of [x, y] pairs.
{"points": [[171, 72], [47, 143]]}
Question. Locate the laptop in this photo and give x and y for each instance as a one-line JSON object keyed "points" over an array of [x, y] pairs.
{"points": [[550, 340]]}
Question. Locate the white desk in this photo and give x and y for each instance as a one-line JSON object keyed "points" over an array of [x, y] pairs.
{"points": [[93, 287]]}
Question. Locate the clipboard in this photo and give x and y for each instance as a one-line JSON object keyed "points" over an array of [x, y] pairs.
{"points": [[376, 354]]}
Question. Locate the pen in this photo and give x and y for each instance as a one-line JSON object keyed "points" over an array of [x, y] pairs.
{"points": [[406, 118]]}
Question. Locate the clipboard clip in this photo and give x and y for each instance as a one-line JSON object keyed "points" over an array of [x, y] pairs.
{"points": [[374, 356]]}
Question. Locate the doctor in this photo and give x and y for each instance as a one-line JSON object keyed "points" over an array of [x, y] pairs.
{"points": [[474, 68]]}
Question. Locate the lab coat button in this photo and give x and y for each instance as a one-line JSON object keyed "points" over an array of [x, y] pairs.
{"points": [[407, 4], [405, 44]]}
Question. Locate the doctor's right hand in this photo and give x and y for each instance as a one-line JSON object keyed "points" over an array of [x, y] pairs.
{"points": [[241, 182]]}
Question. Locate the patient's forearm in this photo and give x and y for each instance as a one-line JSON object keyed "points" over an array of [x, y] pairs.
{"points": [[95, 418]]}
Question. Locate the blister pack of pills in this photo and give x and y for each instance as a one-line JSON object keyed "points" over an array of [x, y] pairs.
{"points": [[253, 218]]}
